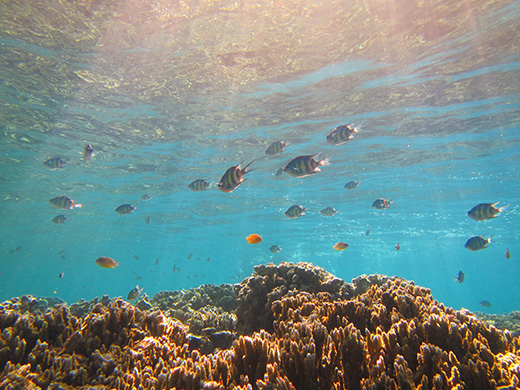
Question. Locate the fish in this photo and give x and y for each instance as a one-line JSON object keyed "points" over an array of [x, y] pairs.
{"points": [[381, 203], [484, 211], [328, 212], [295, 211], [125, 209], [508, 255], [398, 247], [302, 166], [107, 262], [208, 259], [460, 277], [341, 246], [275, 249], [87, 152], [233, 178], [61, 275], [148, 220], [485, 304], [199, 185], [175, 268], [352, 184], [146, 197], [134, 293], [367, 232], [135, 257], [341, 134], [190, 255], [54, 163], [157, 261], [477, 243], [276, 148], [253, 239], [64, 203], [59, 219]]}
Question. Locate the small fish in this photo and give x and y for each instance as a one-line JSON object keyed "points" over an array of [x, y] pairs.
{"points": [[460, 277], [253, 239], [199, 185], [485, 304], [477, 243], [276, 148], [87, 152], [54, 163], [328, 212], [208, 259], [295, 211], [341, 134], [398, 247], [367, 232], [146, 197], [381, 203], [175, 268], [304, 166], [64, 203], [233, 178], [61, 275], [190, 255], [340, 246], [135, 257], [125, 209], [157, 261], [508, 255], [148, 220], [106, 262], [59, 219], [17, 249], [484, 211], [134, 293], [275, 249], [352, 184]]}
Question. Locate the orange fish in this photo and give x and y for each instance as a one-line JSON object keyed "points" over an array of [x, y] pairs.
{"points": [[253, 239], [508, 255], [397, 247], [340, 246], [106, 262]]}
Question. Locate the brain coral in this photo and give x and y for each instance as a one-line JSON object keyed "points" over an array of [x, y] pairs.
{"points": [[297, 327]]}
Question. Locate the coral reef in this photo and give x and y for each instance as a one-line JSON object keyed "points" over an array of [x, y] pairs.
{"points": [[509, 321], [297, 327]]}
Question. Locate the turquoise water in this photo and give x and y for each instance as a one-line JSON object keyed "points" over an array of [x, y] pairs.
{"points": [[170, 93]]}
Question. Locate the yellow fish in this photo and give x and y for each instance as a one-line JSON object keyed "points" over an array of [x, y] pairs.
{"points": [[64, 203], [106, 262], [276, 148], [341, 246], [484, 211], [341, 134], [253, 239], [233, 178], [304, 166], [295, 211], [199, 185]]}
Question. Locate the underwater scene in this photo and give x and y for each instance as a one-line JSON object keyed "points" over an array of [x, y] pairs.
{"points": [[289, 194]]}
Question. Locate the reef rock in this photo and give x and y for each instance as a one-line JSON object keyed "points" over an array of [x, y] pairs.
{"points": [[308, 330]]}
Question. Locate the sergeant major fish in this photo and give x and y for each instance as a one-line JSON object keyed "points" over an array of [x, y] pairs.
{"points": [[484, 211], [64, 203], [460, 277], [477, 243], [302, 166], [275, 249], [59, 219], [295, 211], [276, 148], [381, 203], [341, 134], [125, 209], [233, 178], [134, 293], [54, 163], [351, 185], [328, 212], [87, 152], [199, 185]]}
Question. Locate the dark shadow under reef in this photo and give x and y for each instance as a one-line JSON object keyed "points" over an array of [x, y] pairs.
{"points": [[285, 327]]}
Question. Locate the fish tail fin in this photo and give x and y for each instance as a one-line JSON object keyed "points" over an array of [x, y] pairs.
{"points": [[245, 168], [325, 161], [78, 205], [504, 208]]}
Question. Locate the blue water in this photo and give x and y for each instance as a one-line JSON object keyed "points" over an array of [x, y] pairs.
{"points": [[439, 134]]}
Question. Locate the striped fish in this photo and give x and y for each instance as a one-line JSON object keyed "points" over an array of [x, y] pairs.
{"points": [[54, 163], [304, 166], [341, 134], [125, 209], [381, 204], [295, 211], [59, 219], [351, 185], [276, 148], [328, 212], [477, 243], [199, 185], [484, 211], [64, 203], [233, 178]]}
